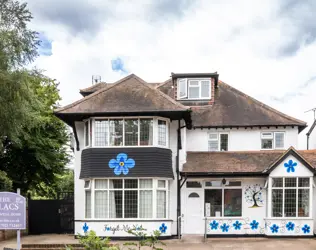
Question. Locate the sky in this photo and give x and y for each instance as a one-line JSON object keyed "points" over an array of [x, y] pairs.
{"points": [[266, 49]]}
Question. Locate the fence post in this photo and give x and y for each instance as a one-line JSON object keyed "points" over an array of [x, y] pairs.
{"points": [[205, 229]]}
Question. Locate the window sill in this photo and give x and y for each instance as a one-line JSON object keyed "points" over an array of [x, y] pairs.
{"points": [[289, 218], [124, 220], [225, 218]]}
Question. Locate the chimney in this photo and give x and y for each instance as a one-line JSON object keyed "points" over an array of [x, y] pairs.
{"points": [[96, 79]]}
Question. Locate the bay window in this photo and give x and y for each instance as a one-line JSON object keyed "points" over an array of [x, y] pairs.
{"points": [[128, 198], [223, 200], [291, 197]]}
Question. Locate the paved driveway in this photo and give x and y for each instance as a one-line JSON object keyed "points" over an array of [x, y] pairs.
{"points": [[194, 242]]}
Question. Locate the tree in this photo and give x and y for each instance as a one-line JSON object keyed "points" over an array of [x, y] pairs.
{"points": [[18, 48], [41, 152], [253, 195]]}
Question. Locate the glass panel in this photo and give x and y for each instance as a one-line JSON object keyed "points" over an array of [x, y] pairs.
{"points": [[115, 204], [290, 203], [205, 89], [303, 182], [194, 92], [213, 145], [224, 142], [101, 129], [145, 183], [214, 197], [116, 132], [101, 204], [233, 184], [116, 184], [145, 204], [277, 182], [213, 183], [290, 182], [277, 202], [279, 140], [146, 132], [86, 130], [266, 143], [213, 136], [182, 88], [131, 132], [88, 204], [303, 203], [232, 202], [194, 184], [161, 184], [161, 204], [162, 133], [130, 183], [130, 203], [101, 184], [194, 195], [87, 184]]}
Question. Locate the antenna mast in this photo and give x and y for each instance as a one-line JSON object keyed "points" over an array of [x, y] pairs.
{"points": [[314, 111]]}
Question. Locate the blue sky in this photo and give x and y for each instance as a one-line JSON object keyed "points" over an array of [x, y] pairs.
{"points": [[266, 49]]}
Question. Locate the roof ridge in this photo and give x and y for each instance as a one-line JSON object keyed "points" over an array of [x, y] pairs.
{"points": [[94, 93], [262, 104]]}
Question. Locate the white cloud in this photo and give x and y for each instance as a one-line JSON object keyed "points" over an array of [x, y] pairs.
{"points": [[245, 41]]}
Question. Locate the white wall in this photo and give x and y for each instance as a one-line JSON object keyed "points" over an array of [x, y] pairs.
{"points": [[238, 139]]}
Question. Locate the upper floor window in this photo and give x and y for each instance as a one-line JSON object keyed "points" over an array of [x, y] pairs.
{"points": [[194, 89], [272, 140], [217, 141]]}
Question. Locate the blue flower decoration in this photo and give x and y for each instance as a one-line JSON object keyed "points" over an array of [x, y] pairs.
{"points": [[108, 228], [274, 228], [306, 229], [224, 227], [85, 227], [214, 225], [237, 225], [254, 224], [121, 164], [290, 166], [290, 226], [163, 228]]}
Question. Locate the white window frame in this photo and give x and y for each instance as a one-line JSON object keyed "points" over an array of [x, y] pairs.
{"points": [[154, 190], [272, 137], [223, 187], [85, 131], [187, 83], [218, 139], [310, 188]]}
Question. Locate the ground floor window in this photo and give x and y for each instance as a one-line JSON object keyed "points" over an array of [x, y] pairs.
{"points": [[127, 198], [291, 197], [223, 200]]}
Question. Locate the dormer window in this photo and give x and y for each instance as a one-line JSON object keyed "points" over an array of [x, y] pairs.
{"points": [[194, 89]]}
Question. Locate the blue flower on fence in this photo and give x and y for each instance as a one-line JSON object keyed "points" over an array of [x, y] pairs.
{"points": [[163, 228], [224, 227], [237, 225], [306, 229], [254, 224], [290, 166], [108, 228], [121, 164], [214, 225], [290, 226], [274, 228], [85, 227]]}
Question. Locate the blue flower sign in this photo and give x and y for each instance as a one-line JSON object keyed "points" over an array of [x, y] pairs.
{"points": [[85, 228], [163, 228], [121, 164], [290, 166]]}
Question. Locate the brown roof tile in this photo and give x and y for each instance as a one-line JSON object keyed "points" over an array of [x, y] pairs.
{"points": [[238, 161]]}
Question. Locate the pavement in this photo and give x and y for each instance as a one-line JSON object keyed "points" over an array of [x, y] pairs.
{"points": [[189, 242]]}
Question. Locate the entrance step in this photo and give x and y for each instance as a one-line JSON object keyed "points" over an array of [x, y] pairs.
{"points": [[192, 238]]}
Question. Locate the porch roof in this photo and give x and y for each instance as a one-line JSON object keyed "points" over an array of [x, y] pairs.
{"points": [[239, 162]]}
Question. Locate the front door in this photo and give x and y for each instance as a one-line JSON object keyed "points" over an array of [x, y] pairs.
{"points": [[193, 212]]}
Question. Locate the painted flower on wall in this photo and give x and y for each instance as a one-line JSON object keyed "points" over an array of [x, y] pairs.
{"points": [[163, 228], [274, 228], [290, 226], [121, 164], [85, 227], [254, 225], [108, 228], [224, 227], [214, 225], [306, 229], [237, 225], [290, 166]]}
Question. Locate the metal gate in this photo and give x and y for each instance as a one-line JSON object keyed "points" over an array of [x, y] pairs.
{"points": [[52, 216]]}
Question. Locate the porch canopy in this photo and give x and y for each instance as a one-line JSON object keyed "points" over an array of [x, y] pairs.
{"points": [[241, 163]]}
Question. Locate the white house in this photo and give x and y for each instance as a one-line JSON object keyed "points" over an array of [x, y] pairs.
{"points": [[191, 155]]}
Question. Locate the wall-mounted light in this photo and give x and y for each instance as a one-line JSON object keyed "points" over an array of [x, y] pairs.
{"points": [[224, 181]]}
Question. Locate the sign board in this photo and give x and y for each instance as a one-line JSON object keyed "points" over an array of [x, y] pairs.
{"points": [[12, 211], [208, 209]]}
